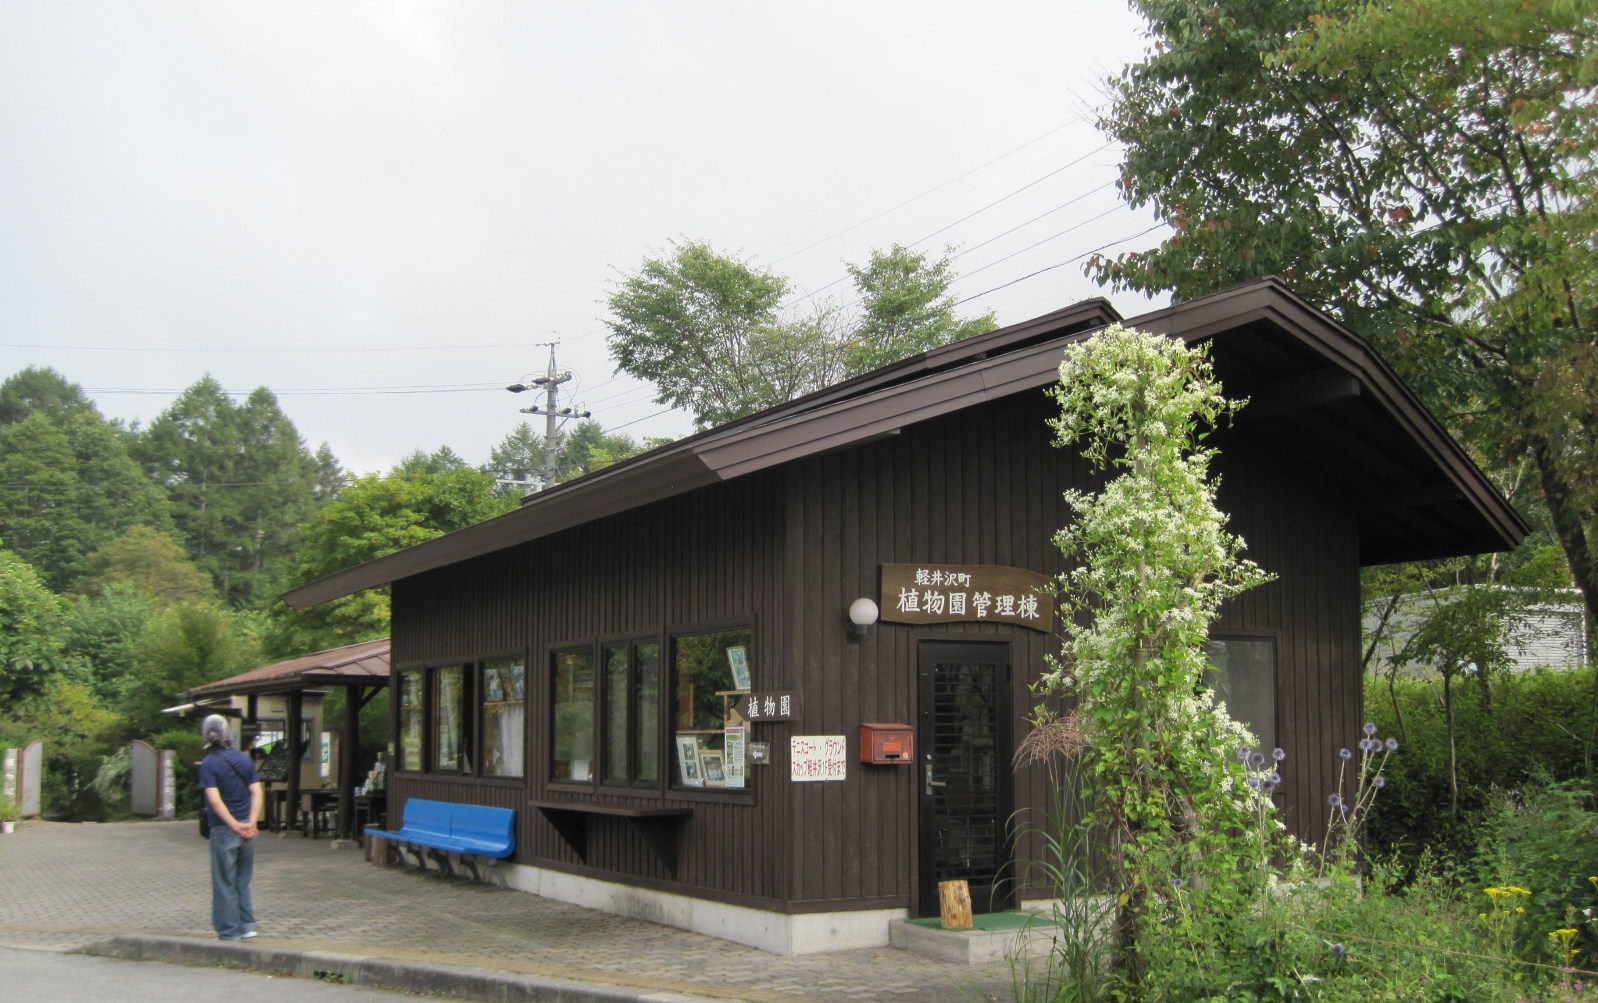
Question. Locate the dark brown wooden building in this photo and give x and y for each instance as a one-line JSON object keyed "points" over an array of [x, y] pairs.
{"points": [[655, 667]]}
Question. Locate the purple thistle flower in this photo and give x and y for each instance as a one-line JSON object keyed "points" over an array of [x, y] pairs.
{"points": [[1244, 753], [1274, 779], [1278, 755], [1338, 950], [1392, 745], [1370, 727], [1369, 745], [1345, 753], [1256, 759], [1335, 800], [1253, 783], [1378, 781], [1176, 883]]}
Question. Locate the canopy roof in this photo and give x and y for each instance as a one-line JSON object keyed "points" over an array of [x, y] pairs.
{"points": [[363, 664], [1326, 394]]}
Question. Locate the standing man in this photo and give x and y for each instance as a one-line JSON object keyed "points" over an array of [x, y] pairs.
{"points": [[233, 805]]}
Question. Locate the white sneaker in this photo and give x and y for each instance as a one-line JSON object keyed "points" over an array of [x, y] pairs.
{"points": [[249, 934]]}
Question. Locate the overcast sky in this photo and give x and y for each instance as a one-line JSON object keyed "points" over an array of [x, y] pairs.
{"points": [[382, 211]]}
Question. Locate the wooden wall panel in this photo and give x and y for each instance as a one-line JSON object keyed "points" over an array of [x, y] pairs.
{"points": [[787, 551]]}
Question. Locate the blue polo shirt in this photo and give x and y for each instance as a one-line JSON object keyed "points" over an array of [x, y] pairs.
{"points": [[231, 773]]}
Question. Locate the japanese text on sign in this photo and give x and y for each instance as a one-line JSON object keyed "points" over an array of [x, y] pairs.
{"points": [[925, 593], [769, 707], [819, 757]]}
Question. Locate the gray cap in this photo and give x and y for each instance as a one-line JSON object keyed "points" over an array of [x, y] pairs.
{"points": [[214, 728]]}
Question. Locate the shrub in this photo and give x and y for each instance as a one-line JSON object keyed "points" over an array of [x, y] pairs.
{"points": [[1539, 724], [1543, 839]]}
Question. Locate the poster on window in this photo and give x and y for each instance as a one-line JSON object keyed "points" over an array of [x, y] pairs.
{"points": [[734, 742], [738, 658], [688, 761], [819, 757]]}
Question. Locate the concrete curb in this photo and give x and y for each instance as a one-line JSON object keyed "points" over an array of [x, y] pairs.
{"points": [[377, 972]]}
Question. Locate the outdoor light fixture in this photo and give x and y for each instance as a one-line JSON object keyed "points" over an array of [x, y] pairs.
{"points": [[862, 614]]}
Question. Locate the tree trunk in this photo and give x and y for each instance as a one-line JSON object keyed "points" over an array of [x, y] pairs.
{"points": [[1569, 526], [1453, 754]]}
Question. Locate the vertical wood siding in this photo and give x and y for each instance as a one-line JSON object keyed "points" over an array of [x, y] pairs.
{"points": [[786, 552]]}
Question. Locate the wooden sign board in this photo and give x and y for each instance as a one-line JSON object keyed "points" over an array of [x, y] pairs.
{"points": [[967, 593], [757, 707]]}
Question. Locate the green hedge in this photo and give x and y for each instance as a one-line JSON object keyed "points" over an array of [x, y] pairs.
{"points": [[1539, 724]]}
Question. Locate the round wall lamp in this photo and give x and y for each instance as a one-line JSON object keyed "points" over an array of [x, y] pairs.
{"points": [[862, 614]]}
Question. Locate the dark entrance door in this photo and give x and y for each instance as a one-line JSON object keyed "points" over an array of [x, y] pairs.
{"points": [[963, 735]]}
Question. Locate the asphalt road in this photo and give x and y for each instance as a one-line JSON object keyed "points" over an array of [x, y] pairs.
{"points": [[30, 976]]}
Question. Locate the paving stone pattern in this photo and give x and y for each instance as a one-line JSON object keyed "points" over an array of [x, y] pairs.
{"points": [[68, 885]]}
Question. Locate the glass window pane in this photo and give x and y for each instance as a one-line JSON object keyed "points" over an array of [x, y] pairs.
{"points": [[449, 717], [410, 723], [1244, 678], [617, 701], [574, 715], [709, 672], [504, 717], [647, 681]]}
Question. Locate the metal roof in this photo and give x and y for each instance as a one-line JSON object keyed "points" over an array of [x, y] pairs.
{"points": [[1415, 491], [363, 664]]}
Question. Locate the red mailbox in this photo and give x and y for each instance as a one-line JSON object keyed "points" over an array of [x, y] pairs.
{"points": [[887, 744]]}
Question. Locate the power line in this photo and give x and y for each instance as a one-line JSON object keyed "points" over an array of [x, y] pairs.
{"points": [[269, 351], [929, 191], [1059, 264]]}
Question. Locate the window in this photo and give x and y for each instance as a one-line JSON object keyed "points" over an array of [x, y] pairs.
{"points": [[504, 691], [1244, 678], [710, 671], [451, 725], [573, 733], [410, 720], [630, 751]]}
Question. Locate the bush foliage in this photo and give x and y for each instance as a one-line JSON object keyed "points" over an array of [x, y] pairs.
{"points": [[1522, 731]]}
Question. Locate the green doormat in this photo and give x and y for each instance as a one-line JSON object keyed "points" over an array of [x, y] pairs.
{"points": [[986, 921]]}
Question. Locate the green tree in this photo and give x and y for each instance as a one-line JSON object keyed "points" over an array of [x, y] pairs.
{"points": [[518, 460], [32, 625], [185, 645], [278, 489], [241, 483], [373, 517], [704, 328], [1423, 170], [710, 332], [905, 309], [103, 634], [151, 562], [67, 483], [34, 390], [1150, 562]]}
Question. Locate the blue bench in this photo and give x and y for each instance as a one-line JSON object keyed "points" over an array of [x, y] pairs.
{"points": [[439, 828]]}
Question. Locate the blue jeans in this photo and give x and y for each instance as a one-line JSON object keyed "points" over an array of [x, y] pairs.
{"points": [[232, 866]]}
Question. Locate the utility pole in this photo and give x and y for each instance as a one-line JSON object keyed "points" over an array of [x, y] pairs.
{"points": [[553, 413]]}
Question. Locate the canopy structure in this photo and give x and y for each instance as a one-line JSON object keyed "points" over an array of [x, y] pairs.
{"points": [[361, 669]]}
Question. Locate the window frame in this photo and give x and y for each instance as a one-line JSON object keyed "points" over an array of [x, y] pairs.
{"points": [[671, 767], [554, 652], [480, 674], [1274, 739], [634, 718], [466, 748], [419, 674]]}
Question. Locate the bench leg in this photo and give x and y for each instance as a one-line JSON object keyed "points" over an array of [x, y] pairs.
{"points": [[444, 866], [416, 851], [495, 872]]}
